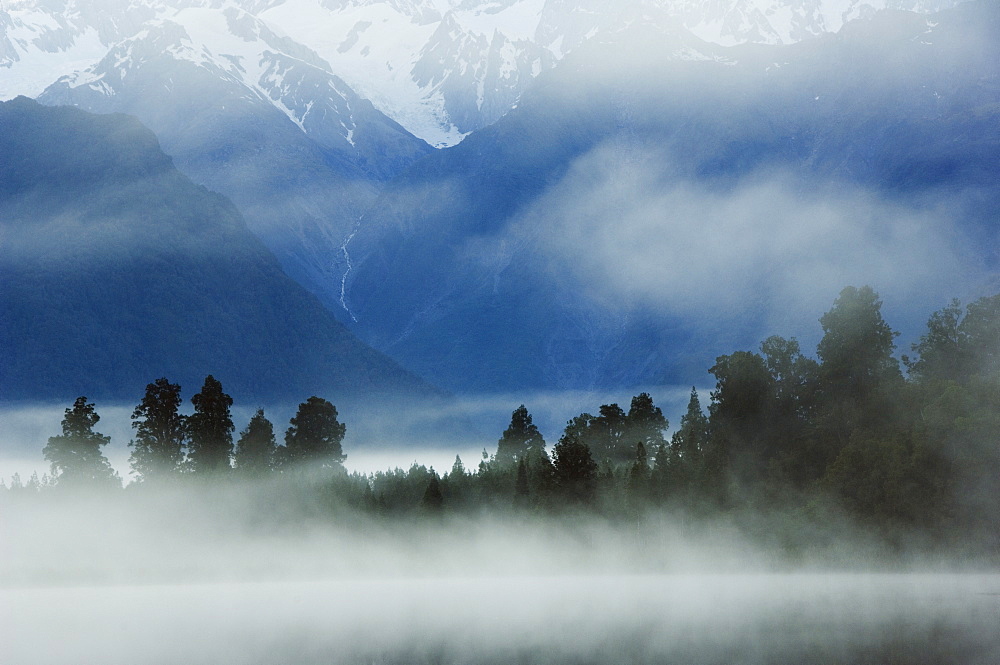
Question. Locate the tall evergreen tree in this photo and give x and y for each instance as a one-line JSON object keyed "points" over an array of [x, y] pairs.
{"points": [[684, 465], [790, 444], [742, 404], [794, 376], [645, 423], [606, 438], [859, 379], [256, 447], [458, 468], [210, 429], [75, 455], [574, 468], [857, 344], [433, 499], [520, 436], [157, 448], [315, 435]]}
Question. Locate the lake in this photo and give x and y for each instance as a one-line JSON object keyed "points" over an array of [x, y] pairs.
{"points": [[492, 618]]}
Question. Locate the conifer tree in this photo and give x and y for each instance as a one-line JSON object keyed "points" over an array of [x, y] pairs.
{"points": [[315, 435], [157, 449], [433, 500], [637, 483], [645, 423], [521, 484], [575, 471], [75, 455], [606, 436], [687, 447], [520, 436], [859, 380], [210, 429], [742, 404], [256, 447], [458, 467]]}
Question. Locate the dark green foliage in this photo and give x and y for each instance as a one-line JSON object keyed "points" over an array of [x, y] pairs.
{"points": [[256, 447], [980, 330], [433, 500], [520, 437], [679, 469], [941, 350], [638, 481], [956, 397], [877, 478], [742, 403], [612, 435], [521, 490], [858, 374], [401, 491], [645, 423], [793, 374], [575, 471], [458, 486], [606, 435], [160, 430], [75, 455], [795, 385], [210, 429], [957, 347], [315, 435], [915, 456], [857, 345], [541, 477]]}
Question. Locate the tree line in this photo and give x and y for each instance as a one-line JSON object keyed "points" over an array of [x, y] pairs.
{"points": [[849, 428], [168, 444]]}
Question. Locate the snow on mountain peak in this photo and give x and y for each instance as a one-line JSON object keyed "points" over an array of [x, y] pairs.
{"points": [[441, 68]]}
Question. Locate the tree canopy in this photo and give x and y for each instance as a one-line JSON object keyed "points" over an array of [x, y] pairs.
{"points": [[160, 432], [256, 447], [315, 435], [520, 437], [75, 455], [210, 429]]}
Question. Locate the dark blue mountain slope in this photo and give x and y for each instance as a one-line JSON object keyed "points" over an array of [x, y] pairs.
{"points": [[116, 269]]}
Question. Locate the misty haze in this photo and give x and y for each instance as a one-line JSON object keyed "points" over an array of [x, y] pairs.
{"points": [[458, 332]]}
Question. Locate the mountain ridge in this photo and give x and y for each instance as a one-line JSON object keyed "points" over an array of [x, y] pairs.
{"points": [[117, 269]]}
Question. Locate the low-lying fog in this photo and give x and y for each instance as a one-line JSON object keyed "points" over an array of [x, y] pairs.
{"points": [[545, 619], [183, 576]]}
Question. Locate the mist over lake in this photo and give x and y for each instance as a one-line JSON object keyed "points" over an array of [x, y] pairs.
{"points": [[204, 575], [499, 332], [609, 618]]}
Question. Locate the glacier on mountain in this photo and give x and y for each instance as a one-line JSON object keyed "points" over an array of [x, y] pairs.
{"points": [[441, 68]]}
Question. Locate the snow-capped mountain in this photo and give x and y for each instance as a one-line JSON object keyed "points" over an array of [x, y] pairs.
{"points": [[441, 68], [317, 117], [641, 212], [259, 118]]}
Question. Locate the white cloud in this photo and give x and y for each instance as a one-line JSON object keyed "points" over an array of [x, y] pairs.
{"points": [[772, 246]]}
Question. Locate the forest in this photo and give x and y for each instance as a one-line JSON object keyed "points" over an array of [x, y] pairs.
{"points": [[898, 447]]}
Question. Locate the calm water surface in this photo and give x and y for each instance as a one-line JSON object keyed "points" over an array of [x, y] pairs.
{"points": [[771, 618]]}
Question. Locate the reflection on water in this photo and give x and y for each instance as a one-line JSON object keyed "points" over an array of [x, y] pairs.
{"points": [[776, 618]]}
